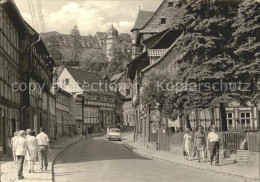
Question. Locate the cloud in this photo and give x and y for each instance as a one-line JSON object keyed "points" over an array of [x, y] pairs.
{"points": [[92, 16]]}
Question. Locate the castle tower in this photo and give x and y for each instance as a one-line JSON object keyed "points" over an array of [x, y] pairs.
{"points": [[111, 40]]}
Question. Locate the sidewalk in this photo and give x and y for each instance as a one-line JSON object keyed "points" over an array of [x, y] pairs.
{"points": [[246, 172], [9, 170]]}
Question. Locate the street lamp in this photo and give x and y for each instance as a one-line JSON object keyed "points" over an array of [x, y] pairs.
{"points": [[70, 116]]}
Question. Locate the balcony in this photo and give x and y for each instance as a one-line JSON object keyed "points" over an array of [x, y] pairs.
{"points": [[156, 52]]}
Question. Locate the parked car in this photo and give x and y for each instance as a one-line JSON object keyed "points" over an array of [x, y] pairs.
{"points": [[114, 133]]}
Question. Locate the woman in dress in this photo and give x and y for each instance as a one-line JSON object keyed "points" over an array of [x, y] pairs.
{"points": [[188, 143], [12, 146], [33, 150], [79, 132], [200, 143]]}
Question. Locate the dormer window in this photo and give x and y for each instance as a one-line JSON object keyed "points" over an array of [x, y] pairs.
{"points": [[170, 4], [67, 81], [163, 20]]}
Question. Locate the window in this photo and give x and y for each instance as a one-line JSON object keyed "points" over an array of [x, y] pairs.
{"points": [[163, 20], [229, 120], [67, 81], [170, 4], [245, 119]]}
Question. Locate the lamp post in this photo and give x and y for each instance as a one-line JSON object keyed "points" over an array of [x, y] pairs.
{"points": [[70, 116], [39, 104]]}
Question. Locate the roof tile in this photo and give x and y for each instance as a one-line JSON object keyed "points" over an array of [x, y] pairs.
{"points": [[142, 19]]}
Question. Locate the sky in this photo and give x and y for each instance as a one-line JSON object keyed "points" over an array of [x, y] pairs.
{"points": [[90, 15]]}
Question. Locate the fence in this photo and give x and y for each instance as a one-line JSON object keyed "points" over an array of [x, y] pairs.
{"points": [[254, 141], [232, 140], [229, 140], [153, 137]]}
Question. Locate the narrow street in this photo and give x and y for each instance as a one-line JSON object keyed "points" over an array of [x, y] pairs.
{"points": [[100, 160]]}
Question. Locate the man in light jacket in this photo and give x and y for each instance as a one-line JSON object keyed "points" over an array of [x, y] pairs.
{"points": [[20, 148], [213, 145], [44, 146]]}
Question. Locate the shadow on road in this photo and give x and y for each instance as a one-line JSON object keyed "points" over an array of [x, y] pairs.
{"points": [[96, 150], [229, 163], [68, 173]]}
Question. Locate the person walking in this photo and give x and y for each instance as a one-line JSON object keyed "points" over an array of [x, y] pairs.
{"points": [[108, 131], [200, 143], [28, 131], [20, 147], [12, 145], [188, 141], [213, 145], [33, 149], [44, 146], [89, 130], [79, 132], [84, 131]]}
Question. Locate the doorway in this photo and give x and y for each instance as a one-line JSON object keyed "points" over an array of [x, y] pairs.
{"points": [[3, 130], [101, 117], [41, 119], [13, 126]]}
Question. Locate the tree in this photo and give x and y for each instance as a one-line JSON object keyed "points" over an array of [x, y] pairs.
{"points": [[54, 47], [205, 59], [119, 56], [77, 45], [114, 68], [155, 94], [246, 46]]}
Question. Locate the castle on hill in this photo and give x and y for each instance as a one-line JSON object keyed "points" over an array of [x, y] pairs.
{"points": [[102, 43]]}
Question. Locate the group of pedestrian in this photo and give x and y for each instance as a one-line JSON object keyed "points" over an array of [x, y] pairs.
{"points": [[26, 146], [83, 132], [199, 144]]}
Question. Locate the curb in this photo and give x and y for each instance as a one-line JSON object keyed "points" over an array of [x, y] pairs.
{"points": [[244, 178], [65, 147], [129, 147], [54, 160]]}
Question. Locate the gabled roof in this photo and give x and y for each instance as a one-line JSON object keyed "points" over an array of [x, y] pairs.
{"points": [[170, 13], [83, 76], [14, 14], [142, 18], [92, 79], [100, 35], [116, 77]]}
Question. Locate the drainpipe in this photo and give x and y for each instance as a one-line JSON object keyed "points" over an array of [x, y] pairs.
{"points": [[22, 119], [32, 45]]}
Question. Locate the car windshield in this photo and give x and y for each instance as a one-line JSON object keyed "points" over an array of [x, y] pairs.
{"points": [[115, 131]]}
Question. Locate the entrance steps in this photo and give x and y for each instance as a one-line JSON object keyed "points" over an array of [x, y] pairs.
{"points": [[240, 156]]}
